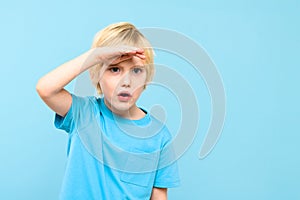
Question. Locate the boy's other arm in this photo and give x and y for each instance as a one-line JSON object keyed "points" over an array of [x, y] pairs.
{"points": [[159, 194], [51, 86]]}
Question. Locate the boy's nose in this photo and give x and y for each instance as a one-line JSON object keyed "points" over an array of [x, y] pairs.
{"points": [[126, 80]]}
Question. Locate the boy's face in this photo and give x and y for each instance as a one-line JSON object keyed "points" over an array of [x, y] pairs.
{"points": [[122, 84]]}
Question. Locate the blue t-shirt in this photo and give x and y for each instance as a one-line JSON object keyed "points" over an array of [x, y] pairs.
{"points": [[110, 157]]}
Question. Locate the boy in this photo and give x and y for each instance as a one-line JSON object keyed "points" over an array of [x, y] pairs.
{"points": [[116, 149]]}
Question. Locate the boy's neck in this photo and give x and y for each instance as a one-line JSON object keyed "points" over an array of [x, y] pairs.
{"points": [[134, 112]]}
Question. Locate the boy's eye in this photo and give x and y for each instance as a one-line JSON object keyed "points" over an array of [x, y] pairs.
{"points": [[114, 69], [137, 70]]}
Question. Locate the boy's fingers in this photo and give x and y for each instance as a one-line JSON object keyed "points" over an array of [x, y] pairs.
{"points": [[127, 52], [133, 50], [130, 55], [142, 56], [140, 50], [121, 58]]}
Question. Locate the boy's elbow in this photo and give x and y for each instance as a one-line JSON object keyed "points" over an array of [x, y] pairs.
{"points": [[41, 90]]}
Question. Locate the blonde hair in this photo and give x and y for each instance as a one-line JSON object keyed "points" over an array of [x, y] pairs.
{"points": [[122, 33]]}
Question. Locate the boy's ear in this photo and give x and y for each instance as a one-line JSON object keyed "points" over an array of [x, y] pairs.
{"points": [[99, 88]]}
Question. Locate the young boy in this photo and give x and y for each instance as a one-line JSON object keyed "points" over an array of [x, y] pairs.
{"points": [[116, 149]]}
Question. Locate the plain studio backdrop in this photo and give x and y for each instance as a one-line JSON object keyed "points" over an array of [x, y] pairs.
{"points": [[254, 45]]}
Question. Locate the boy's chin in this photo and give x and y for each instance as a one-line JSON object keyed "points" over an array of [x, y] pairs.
{"points": [[122, 106]]}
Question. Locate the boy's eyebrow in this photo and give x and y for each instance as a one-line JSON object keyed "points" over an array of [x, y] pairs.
{"points": [[138, 66], [113, 65]]}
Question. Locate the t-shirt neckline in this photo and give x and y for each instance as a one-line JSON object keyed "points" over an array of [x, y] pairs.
{"points": [[140, 122]]}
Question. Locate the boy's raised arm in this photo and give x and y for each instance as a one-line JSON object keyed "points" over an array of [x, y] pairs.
{"points": [[51, 86]]}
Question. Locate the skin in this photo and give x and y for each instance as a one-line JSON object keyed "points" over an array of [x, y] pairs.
{"points": [[51, 86], [159, 194]]}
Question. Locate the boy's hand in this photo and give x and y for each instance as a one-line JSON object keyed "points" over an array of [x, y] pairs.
{"points": [[115, 55]]}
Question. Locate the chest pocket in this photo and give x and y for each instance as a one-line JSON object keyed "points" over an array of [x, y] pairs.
{"points": [[140, 169]]}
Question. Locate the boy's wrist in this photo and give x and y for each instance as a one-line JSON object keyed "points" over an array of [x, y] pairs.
{"points": [[90, 59]]}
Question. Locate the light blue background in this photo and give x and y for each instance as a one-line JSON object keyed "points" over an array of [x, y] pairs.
{"points": [[255, 46]]}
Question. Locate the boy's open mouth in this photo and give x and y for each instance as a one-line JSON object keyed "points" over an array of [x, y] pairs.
{"points": [[124, 96]]}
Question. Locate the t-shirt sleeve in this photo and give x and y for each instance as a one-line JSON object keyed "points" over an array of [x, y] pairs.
{"points": [[77, 115], [167, 175]]}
